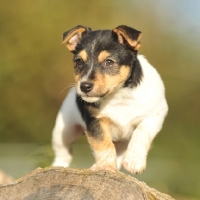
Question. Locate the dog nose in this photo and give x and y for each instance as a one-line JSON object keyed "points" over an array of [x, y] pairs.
{"points": [[86, 86]]}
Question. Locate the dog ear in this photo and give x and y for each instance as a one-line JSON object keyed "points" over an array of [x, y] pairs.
{"points": [[129, 36], [72, 37]]}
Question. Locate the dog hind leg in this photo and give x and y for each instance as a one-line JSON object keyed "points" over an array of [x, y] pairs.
{"points": [[63, 138], [69, 125]]}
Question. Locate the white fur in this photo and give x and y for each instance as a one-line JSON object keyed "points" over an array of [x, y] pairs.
{"points": [[138, 114]]}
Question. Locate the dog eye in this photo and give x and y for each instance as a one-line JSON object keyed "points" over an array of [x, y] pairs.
{"points": [[108, 63], [78, 61]]}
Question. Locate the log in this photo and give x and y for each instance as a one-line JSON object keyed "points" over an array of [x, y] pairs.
{"points": [[54, 183]]}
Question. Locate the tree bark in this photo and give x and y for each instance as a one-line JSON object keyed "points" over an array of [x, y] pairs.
{"points": [[54, 183]]}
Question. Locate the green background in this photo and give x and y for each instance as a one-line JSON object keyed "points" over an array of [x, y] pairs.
{"points": [[35, 68]]}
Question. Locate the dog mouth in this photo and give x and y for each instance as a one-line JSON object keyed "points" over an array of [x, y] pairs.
{"points": [[93, 99], [90, 99]]}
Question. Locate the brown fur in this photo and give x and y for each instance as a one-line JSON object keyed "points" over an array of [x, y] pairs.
{"points": [[70, 45], [106, 141], [83, 55], [103, 55], [105, 82], [121, 35]]}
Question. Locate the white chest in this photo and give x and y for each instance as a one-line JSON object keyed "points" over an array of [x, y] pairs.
{"points": [[125, 112]]}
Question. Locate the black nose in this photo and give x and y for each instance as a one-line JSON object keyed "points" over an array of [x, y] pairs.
{"points": [[86, 87]]}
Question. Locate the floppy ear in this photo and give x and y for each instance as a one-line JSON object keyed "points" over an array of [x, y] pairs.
{"points": [[72, 37], [129, 36]]}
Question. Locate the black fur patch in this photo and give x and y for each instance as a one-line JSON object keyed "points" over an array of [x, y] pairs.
{"points": [[135, 76], [93, 126]]}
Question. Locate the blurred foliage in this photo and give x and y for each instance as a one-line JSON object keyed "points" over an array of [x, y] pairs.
{"points": [[34, 69]]}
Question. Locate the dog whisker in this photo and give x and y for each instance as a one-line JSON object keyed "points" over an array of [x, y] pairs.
{"points": [[68, 86]]}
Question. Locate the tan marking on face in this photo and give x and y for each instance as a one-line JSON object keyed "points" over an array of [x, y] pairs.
{"points": [[106, 82], [83, 55], [103, 55], [77, 78], [119, 78]]}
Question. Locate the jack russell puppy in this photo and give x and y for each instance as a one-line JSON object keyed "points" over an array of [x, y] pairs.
{"points": [[118, 100]]}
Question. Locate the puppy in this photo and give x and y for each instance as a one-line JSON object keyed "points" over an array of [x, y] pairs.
{"points": [[118, 100]]}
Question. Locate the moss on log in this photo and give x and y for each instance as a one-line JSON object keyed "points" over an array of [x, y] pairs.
{"points": [[54, 183]]}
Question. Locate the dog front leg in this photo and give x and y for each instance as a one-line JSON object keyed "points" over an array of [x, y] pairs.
{"points": [[139, 145], [99, 138]]}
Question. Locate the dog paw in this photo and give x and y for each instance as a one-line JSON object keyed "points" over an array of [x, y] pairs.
{"points": [[99, 167], [134, 164]]}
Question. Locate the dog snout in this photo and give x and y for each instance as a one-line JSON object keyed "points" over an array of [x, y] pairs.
{"points": [[86, 86]]}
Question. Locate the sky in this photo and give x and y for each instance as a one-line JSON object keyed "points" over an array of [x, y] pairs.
{"points": [[184, 15]]}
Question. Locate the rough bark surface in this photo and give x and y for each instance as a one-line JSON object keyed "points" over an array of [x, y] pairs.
{"points": [[54, 183]]}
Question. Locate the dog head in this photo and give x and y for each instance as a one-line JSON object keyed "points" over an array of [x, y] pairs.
{"points": [[104, 60]]}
